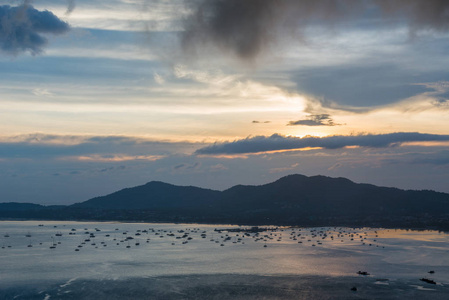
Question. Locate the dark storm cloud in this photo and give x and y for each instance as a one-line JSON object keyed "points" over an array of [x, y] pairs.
{"points": [[315, 120], [246, 27], [278, 142], [22, 28], [419, 14]]}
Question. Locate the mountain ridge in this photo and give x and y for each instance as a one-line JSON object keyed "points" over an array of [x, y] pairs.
{"points": [[291, 200]]}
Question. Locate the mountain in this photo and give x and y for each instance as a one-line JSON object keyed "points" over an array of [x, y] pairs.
{"points": [[291, 200], [154, 195], [322, 195]]}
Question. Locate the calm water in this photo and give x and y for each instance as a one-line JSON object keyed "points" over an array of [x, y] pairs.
{"points": [[84, 255]]}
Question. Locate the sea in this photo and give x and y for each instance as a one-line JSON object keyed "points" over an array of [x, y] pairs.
{"points": [[111, 260]]}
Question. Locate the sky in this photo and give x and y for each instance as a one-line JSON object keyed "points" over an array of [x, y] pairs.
{"points": [[99, 95]]}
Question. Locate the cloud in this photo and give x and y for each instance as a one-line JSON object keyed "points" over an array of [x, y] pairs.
{"points": [[180, 166], [362, 84], [247, 28], [112, 169], [335, 166], [22, 28], [41, 92], [158, 78], [315, 120], [278, 142], [285, 169], [439, 93], [87, 148], [115, 158], [218, 167], [420, 15], [436, 158], [259, 122], [184, 166], [70, 7]]}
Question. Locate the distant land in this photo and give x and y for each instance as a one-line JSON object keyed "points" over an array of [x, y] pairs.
{"points": [[292, 200]]}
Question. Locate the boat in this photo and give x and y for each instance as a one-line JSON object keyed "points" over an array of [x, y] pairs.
{"points": [[53, 245], [363, 273], [428, 280]]}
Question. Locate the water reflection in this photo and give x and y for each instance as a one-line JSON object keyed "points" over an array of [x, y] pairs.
{"points": [[64, 251]]}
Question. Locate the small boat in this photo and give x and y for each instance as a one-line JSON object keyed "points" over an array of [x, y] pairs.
{"points": [[428, 280], [53, 245], [363, 273]]}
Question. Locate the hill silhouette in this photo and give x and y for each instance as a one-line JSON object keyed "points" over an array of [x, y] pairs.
{"points": [[154, 195], [291, 200]]}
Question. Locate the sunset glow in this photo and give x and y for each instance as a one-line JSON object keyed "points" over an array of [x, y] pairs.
{"points": [[139, 88]]}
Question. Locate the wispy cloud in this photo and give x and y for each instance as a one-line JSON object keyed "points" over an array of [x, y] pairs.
{"points": [[187, 167], [315, 120], [278, 142], [218, 167], [86, 148], [70, 6], [284, 169], [116, 158], [159, 79]]}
